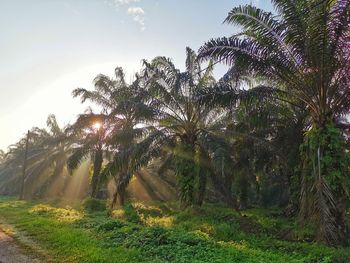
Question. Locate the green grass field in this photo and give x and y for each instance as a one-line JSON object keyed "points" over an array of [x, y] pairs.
{"points": [[164, 233]]}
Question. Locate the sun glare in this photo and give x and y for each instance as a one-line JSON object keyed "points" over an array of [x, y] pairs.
{"points": [[96, 125]]}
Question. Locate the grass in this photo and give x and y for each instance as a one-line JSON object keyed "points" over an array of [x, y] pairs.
{"points": [[164, 233]]}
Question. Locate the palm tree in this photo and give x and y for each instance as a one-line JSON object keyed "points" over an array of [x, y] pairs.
{"points": [[122, 110], [89, 133], [91, 130], [57, 146], [189, 133], [11, 166], [262, 131], [46, 158], [2, 156], [303, 51], [129, 113]]}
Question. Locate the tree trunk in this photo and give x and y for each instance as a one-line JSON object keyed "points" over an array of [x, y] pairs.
{"points": [[326, 163], [115, 195], [185, 169], [243, 194], [21, 195], [202, 183], [96, 174], [114, 199], [223, 190], [122, 197]]}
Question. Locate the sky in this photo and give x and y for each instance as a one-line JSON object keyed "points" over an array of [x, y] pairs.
{"points": [[50, 47]]}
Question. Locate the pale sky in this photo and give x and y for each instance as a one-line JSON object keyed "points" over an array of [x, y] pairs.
{"points": [[50, 47]]}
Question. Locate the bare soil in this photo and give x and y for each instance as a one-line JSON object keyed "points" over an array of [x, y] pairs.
{"points": [[10, 252]]}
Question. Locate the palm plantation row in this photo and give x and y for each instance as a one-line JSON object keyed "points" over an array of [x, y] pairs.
{"points": [[271, 131]]}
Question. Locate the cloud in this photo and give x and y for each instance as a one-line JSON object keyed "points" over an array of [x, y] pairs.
{"points": [[141, 21], [125, 2], [136, 12]]}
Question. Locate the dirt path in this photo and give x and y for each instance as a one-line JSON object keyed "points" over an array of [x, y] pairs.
{"points": [[10, 252]]}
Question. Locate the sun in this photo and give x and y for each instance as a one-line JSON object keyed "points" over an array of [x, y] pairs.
{"points": [[96, 125]]}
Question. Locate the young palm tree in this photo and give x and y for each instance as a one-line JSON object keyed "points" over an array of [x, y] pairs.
{"points": [[267, 135], [304, 51]]}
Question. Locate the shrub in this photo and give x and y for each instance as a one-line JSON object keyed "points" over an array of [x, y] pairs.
{"points": [[110, 225], [94, 205]]}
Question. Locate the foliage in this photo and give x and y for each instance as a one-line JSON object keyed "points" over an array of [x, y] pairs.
{"points": [[58, 237], [123, 108], [180, 119], [208, 234], [46, 160], [302, 53], [325, 179], [94, 205], [95, 133], [186, 170]]}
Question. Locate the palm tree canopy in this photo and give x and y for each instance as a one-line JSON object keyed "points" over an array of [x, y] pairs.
{"points": [[304, 50]]}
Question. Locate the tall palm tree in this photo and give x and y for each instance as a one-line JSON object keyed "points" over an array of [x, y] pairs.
{"points": [[89, 133], [122, 109], [130, 113], [304, 51], [2, 156], [46, 157], [57, 146], [189, 133], [13, 160]]}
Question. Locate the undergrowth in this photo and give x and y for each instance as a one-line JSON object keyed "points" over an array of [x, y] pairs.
{"points": [[164, 233]]}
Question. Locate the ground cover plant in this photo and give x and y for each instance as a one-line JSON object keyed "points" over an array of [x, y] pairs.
{"points": [[163, 233]]}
